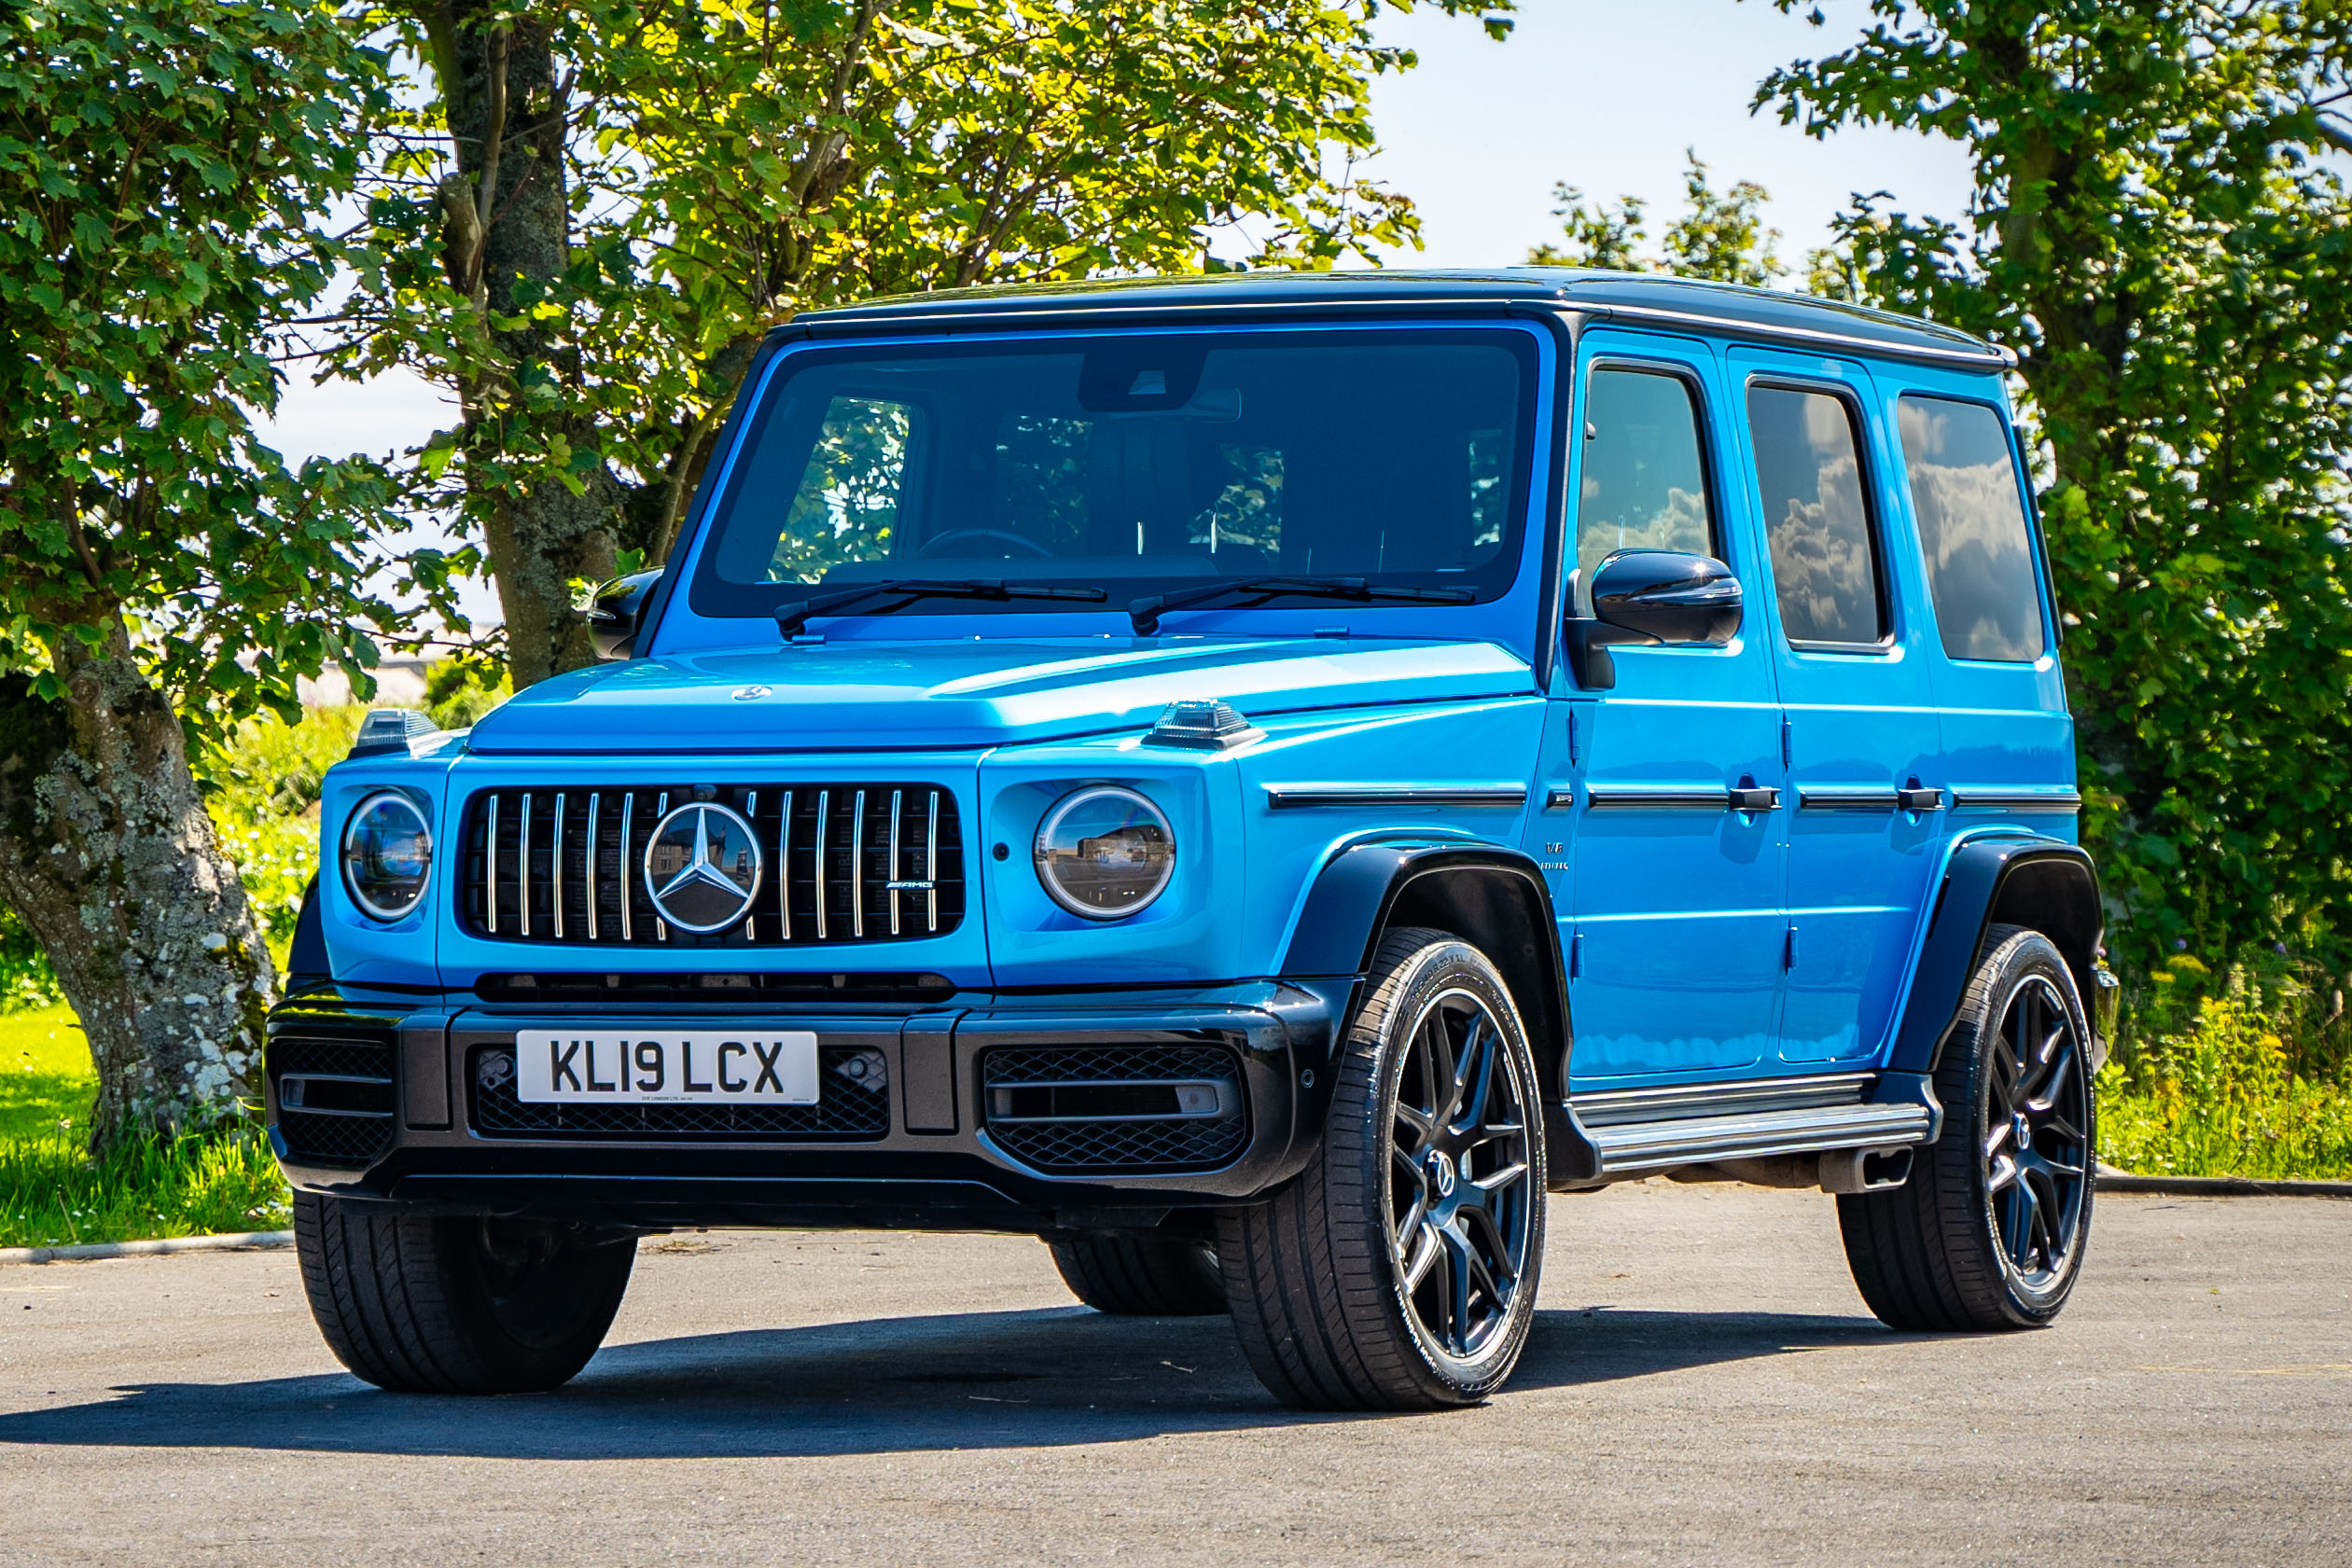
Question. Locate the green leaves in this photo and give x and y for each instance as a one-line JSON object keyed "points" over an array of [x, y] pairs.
{"points": [[159, 163], [2151, 231]]}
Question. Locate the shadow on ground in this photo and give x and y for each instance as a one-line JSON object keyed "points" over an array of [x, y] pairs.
{"points": [[956, 1380]]}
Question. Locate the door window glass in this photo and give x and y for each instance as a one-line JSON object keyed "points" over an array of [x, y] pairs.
{"points": [[1645, 472], [1972, 531], [1824, 551]]}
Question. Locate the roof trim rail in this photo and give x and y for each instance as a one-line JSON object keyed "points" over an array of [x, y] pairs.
{"points": [[1982, 356]]}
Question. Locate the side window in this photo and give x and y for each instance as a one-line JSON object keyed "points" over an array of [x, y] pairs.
{"points": [[1824, 550], [1645, 472], [1980, 553]]}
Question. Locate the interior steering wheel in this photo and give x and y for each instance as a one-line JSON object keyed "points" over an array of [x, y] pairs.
{"points": [[1020, 546]]}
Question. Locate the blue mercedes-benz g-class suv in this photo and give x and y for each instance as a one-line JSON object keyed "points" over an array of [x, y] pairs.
{"points": [[1256, 781]]}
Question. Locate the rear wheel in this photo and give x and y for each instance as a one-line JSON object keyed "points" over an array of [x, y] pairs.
{"points": [[1398, 1270], [1142, 1276], [1989, 1232], [458, 1305]]}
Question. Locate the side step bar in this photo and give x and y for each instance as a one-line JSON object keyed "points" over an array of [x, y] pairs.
{"points": [[1643, 1132]]}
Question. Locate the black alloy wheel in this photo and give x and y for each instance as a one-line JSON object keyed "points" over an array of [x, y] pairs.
{"points": [[1459, 1183], [2037, 1138], [1398, 1270], [1991, 1229]]}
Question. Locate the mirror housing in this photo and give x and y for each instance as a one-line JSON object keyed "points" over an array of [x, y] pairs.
{"points": [[1647, 599], [615, 615]]}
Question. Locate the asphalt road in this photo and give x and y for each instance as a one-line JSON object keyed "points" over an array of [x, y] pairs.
{"points": [[1704, 1386]]}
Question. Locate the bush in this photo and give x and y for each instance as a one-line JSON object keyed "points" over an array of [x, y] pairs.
{"points": [[2241, 1092]]}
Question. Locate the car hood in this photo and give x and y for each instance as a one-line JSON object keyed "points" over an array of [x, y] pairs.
{"points": [[949, 695]]}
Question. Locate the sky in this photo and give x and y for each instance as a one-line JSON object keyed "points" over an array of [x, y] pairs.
{"points": [[1605, 94]]}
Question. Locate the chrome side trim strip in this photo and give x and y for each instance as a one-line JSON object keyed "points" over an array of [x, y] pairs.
{"points": [[1656, 797], [660, 810], [1977, 797], [558, 865], [1607, 1107], [628, 836], [858, 867], [595, 799], [931, 860], [1838, 797], [824, 804], [783, 867], [526, 863], [894, 861], [490, 864], [1635, 1147], [1298, 796]]}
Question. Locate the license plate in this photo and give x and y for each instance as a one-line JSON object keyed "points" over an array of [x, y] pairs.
{"points": [[680, 1067]]}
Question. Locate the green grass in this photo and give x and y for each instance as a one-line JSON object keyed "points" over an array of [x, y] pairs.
{"points": [[53, 1194]]}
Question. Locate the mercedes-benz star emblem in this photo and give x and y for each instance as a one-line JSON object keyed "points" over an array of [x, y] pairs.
{"points": [[703, 867]]}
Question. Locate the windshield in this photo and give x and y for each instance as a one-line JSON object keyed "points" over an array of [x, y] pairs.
{"points": [[1137, 465]]}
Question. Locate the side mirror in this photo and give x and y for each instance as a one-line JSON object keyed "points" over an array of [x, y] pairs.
{"points": [[1645, 598], [619, 606]]}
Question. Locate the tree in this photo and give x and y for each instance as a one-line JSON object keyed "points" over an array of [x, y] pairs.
{"points": [[2150, 230], [160, 162], [610, 200], [1720, 236]]}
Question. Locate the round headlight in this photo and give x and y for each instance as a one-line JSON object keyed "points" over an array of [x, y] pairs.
{"points": [[1104, 853], [387, 855]]}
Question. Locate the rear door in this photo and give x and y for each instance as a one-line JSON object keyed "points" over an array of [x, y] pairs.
{"points": [[1853, 675], [2007, 739], [1676, 916]]}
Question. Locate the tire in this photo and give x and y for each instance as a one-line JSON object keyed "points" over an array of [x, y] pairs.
{"points": [[1344, 1283], [457, 1305], [1978, 1239], [1142, 1276]]}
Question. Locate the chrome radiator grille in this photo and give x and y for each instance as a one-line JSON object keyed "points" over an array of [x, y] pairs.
{"points": [[838, 863]]}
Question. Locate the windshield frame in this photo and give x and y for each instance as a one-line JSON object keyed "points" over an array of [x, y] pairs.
{"points": [[1506, 610]]}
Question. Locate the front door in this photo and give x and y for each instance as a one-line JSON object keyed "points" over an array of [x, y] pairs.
{"points": [[1676, 923], [1854, 672]]}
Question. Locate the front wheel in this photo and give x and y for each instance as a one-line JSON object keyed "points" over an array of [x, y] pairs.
{"points": [[1398, 1270], [1989, 1232], [456, 1305], [1142, 1276]]}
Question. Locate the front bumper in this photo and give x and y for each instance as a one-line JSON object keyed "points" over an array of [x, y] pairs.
{"points": [[936, 1160]]}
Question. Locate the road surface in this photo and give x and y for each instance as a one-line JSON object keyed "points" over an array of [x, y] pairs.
{"points": [[1704, 1387]]}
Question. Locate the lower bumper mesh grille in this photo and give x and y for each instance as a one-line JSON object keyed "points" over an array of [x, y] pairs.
{"points": [[334, 1097], [854, 1102], [1068, 1145]]}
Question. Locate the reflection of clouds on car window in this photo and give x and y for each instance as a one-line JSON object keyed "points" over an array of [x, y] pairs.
{"points": [[1972, 530], [1809, 476]]}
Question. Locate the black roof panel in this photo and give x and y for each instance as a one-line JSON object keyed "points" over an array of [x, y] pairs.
{"points": [[1632, 296]]}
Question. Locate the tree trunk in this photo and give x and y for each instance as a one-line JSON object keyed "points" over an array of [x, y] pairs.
{"points": [[107, 856], [507, 115]]}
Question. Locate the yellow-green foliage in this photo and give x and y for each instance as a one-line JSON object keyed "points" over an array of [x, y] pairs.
{"points": [[2224, 1098]]}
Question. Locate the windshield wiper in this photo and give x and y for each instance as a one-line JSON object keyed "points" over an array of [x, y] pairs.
{"points": [[792, 617], [1146, 612]]}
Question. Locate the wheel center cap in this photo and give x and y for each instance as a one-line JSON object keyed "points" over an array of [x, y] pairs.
{"points": [[1441, 1173]]}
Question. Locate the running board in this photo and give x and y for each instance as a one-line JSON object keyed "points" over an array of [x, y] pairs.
{"points": [[1645, 1131]]}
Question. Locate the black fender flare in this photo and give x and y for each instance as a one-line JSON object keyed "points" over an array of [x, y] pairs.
{"points": [[1490, 894], [2046, 883], [307, 964]]}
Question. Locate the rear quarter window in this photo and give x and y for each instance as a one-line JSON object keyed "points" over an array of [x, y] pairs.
{"points": [[1966, 496]]}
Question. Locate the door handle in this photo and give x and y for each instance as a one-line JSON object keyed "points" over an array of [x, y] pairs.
{"points": [[1913, 798], [1755, 797]]}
